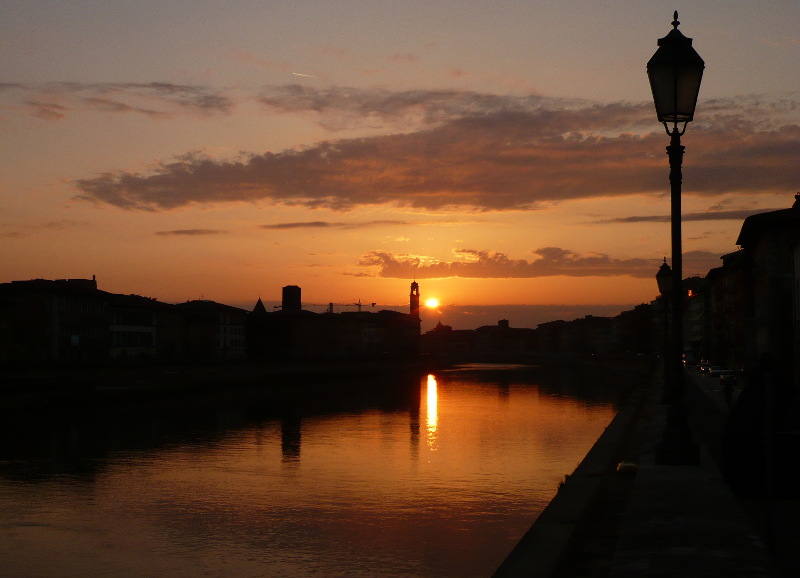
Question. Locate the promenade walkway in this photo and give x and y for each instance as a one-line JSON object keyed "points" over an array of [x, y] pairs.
{"points": [[657, 520]]}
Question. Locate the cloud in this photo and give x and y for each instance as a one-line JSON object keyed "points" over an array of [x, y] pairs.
{"points": [[735, 215], [302, 225], [60, 225], [55, 100], [547, 262], [338, 108], [108, 105], [66, 224], [338, 225], [476, 152], [190, 232], [47, 110]]}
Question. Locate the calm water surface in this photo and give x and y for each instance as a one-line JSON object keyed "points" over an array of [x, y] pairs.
{"points": [[440, 476]]}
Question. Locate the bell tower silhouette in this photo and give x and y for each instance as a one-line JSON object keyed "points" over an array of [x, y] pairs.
{"points": [[414, 299]]}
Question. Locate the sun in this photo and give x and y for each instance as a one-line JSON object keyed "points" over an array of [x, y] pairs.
{"points": [[432, 303]]}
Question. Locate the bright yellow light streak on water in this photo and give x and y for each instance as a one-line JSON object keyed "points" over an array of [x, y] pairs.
{"points": [[432, 417]]}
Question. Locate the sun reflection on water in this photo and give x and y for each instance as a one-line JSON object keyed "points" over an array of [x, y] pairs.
{"points": [[432, 416], [310, 490]]}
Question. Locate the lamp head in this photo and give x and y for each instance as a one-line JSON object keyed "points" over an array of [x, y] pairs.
{"points": [[664, 278], [675, 72]]}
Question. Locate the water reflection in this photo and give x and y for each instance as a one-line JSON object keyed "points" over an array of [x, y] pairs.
{"points": [[80, 439], [432, 421], [219, 488], [291, 438]]}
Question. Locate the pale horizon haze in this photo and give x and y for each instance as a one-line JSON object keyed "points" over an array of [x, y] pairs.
{"points": [[498, 153]]}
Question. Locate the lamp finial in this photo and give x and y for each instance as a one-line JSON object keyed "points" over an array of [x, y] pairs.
{"points": [[675, 22]]}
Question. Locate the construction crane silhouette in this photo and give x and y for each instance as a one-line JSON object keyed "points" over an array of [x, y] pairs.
{"points": [[357, 304], [331, 305]]}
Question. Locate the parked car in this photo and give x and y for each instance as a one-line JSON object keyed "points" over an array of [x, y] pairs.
{"points": [[715, 370], [727, 376], [704, 367]]}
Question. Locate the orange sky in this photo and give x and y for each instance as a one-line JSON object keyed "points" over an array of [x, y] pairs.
{"points": [[497, 155]]}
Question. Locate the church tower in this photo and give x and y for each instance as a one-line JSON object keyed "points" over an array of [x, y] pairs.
{"points": [[414, 299]]}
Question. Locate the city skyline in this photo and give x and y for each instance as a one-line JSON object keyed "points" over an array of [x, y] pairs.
{"points": [[498, 155]]}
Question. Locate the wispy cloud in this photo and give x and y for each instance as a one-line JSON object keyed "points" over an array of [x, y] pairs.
{"points": [[547, 262], [60, 225], [190, 232], [301, 225], [66, 224], [334, 225], [47, 110], [55, 100], [338, 108], [738, 215], [476, 152], [109, 105]]}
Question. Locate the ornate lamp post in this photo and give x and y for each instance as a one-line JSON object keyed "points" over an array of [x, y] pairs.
{"points": [[675, 72]]}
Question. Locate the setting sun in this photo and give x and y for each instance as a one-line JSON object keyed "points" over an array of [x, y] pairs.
{"points": [[432, 303]]}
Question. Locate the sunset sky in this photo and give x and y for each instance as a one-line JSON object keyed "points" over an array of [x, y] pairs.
{"points": [[498, 152]]}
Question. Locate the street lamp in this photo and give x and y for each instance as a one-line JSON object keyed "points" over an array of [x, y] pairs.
{"points": [[664, 279], [675, 72]]}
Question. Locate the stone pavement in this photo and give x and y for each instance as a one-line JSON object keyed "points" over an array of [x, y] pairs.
{"points": [[659, 520]]}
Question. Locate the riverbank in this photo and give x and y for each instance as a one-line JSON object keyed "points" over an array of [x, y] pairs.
{"points": [[588, 505], [654, 520]]}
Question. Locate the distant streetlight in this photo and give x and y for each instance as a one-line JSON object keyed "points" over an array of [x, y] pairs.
{"points": [[664, 279], [675, 72]]}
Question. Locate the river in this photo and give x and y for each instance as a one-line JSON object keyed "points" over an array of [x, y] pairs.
{"points": [[432, 475]]}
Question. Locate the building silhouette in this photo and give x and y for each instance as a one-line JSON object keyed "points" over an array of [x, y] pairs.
{"points": [[294, 334], [750, 306], [629, 334], [71, 321], [738, 314]]}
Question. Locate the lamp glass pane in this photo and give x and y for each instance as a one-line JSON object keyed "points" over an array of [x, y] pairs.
{"points": [[675, 90]]}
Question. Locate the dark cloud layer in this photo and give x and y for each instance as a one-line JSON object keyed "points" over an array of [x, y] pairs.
{"points": [[476, 152], [547, 262]]}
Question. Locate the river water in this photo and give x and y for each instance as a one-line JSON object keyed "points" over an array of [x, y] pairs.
{"points": [[435, 475]]}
